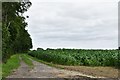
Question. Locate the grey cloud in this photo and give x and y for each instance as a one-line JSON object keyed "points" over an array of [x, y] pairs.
{"points": [[66, 24]]}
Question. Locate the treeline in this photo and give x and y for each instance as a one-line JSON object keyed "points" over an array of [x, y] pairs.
{"points": [[15, 38]]}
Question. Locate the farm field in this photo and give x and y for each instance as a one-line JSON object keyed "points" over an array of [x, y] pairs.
{"points": [[99, 71], [91, 62], [78, 57]]}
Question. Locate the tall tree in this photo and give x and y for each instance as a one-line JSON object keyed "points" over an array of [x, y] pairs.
{"points": [[14, 36]]}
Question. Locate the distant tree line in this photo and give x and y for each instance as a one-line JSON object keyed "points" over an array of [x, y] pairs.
{"points": [[15, 38]]}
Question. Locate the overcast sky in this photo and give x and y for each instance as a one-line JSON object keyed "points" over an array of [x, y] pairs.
{"points": [[73, 24]]}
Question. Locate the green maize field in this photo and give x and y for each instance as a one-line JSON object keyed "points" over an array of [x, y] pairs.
{"points": [[78, 57]]}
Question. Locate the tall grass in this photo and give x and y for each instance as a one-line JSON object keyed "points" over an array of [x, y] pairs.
{"points": [[11, 64]]}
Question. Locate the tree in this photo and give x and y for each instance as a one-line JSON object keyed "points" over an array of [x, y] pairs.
{"points": [[14, 36]]}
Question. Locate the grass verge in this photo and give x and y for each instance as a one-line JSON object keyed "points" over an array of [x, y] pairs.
{"points": [[0, 71], [26, 59], [12, 63]]}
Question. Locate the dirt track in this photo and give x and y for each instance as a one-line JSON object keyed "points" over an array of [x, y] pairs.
{"points": [[44, 71]]}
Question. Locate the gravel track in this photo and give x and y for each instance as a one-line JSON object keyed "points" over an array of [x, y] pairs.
{"points": [[41, 70]]}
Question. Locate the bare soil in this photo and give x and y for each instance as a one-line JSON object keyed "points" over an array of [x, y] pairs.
{"points": [[108, 72]]}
